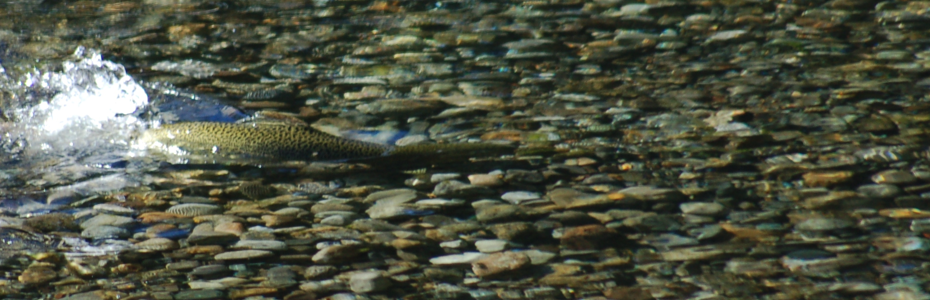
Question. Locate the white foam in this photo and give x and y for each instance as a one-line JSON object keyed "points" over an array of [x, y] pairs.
{"points": [[89, 112]]}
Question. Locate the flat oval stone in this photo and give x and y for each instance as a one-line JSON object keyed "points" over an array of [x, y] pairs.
{"points": [[368, 281], [457, 259], [201, 294], [194, 209], [893, 177], [114, 209], [491, 246], [105, 232], [259, 245], [242, 254], [108, 220], [499, 263], [517, 197], [702, 208], [157, 244], [823, 224]]}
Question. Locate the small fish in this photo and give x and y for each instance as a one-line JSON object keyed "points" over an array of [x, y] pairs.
{"points": [[216, 142]]}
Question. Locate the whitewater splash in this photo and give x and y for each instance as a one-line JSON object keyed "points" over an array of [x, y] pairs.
{"points": [[90, 111], [66, 129]]}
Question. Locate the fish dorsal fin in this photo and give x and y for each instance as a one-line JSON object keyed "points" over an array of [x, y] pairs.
{"points": [[274, 118]]}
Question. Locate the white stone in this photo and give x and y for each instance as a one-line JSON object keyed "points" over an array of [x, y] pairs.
{"points": [[457, 259]]}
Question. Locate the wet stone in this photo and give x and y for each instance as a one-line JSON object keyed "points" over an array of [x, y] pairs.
{"points": [[488, 180], [211, 238], [588, 237], [93, 295], [518, 197], [893, 177], [706, 209], [52, 222], [108, 220], [368, 282], [105, 232], [392, 196], [313, 272], [243, 255], [454, 188], [491, 246], [37, 275], [647, 193], [514, 231], [157, 244], [209, 270], [114, 209], [337, 253], [497, 213], [499, 263], [194, 209], [455, 259], [820, 179], [280, 277], [199, 294], [883, 191]]}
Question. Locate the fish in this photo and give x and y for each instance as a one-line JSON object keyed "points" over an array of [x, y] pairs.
{"points": [[257, 142]]}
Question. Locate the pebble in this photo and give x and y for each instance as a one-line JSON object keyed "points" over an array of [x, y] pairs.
{"points": [[336, 253], [194, 209], [518, 197], [114, 209], [37, 276], [157, 244], [893, 177], [458, 189], [108, 220], [368, 282], [486, 180], [491, 246], [209, 270], [702, 208], [198, 294], [259, 245], [243, 255], [498, 263], [456, 259], [105, 232], [498, 213], [395, 196]]}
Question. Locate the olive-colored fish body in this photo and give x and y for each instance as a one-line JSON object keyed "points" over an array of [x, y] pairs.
{"points": [[261, 142], [256, 142]]}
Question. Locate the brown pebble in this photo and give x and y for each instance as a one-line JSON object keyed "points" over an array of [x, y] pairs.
{"points": [[230, 227], [277, 220], [823, 179], [628, 293], [485, 180], [38, 275], [205, 249], [250, 292], [588, 237], [499, 263], [157, 217]]}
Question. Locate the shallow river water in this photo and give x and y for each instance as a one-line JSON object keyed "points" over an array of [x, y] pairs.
{"points": [[523, 149]]}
